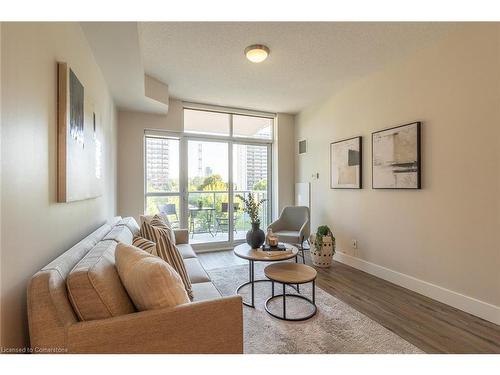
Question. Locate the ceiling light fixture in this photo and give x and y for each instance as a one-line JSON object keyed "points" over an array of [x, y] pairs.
{"points": [[257, 53]]}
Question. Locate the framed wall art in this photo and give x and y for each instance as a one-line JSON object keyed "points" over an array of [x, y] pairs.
{"points": [[345, 164], [396, 157], [79, 140]]}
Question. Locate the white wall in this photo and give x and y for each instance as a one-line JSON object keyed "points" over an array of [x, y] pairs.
{"points": [[36, 229], [131, 127], [443, 240], [284, 167]]}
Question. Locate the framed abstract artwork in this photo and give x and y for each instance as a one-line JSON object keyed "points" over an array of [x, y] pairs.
{"points": [[396, 157], [79, 140], [345, 164]]}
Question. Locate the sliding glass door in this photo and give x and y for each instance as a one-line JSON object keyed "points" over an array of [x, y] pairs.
{"points": [[251, 168], [197, 178], [208, 191]]}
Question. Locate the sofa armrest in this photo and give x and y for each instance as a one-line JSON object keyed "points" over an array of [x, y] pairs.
{"points": [[214, 326], [181, 236]]}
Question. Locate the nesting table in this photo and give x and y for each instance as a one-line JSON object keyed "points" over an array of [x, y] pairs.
{"points": [[258, 255], [291, 273]]}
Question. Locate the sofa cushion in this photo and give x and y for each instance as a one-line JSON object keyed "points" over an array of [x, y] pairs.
{"points": [[145, 244], [181, 236], [167, 251], [150, 281], [195, 271], [94, 287], [186, 251], [205, 291], [120, 233], [130, 223]]}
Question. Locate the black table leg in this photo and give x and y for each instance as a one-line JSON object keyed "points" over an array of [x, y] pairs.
{"points": [[252, 280], [284, 302], [284, 295], [314, 292]]}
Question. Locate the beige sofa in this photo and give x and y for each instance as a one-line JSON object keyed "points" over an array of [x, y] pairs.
{"points": [[209, 324]]}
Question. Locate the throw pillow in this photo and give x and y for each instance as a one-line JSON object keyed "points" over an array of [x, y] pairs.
{"points": [[157, 221], [145, 244], [150, 282], [167, 251]]}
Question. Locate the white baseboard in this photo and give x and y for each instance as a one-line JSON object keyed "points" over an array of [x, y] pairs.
{"points": [[462, 302]]}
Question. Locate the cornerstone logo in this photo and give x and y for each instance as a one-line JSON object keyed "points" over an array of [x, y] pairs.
{"points": [[28, 350]]}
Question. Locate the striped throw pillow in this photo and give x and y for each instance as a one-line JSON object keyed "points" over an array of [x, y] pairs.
{"points": [[167, 251], [157, 221], [144, 244]]}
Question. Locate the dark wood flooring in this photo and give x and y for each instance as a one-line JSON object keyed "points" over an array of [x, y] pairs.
{"points": [[429, 325]]}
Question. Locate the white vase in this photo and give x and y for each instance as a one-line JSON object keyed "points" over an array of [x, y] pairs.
{"points": [[322, 255]]}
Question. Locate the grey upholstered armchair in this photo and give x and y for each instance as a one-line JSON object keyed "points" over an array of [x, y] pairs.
{"points": [[293, 226]]}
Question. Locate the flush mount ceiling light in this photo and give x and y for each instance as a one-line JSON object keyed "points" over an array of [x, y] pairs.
{"points": [[257, 53]]}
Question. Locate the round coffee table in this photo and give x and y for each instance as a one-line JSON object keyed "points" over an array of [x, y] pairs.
{"points": [[258, 255], [291, 273]]}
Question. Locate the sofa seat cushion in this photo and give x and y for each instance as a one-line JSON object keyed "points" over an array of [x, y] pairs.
{"points": [[195, 271], [205, 291], [151, 282], [94, 287], [186, 251], [120, 233]]}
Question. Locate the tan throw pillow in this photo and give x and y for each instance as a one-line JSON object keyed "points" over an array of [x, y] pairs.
{"points": [[150, 282], [167, 251], [145, 244]]}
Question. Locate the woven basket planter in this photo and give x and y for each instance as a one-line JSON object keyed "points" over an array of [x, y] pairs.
{"points": [[322, 255]]}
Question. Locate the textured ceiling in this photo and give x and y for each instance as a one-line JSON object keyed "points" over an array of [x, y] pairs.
{"points": [[204, 62]]}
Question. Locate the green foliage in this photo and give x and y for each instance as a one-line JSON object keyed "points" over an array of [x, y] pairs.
{"points": [[322, 231], [213, 182], [251, 206], [260, 185]]}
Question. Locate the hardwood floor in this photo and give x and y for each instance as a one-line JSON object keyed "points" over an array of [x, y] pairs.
{"points": [[430, 325]]}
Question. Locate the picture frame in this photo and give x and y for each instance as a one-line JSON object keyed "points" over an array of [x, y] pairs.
{"points": [[79, 140], [396, 157], [346, 163]]}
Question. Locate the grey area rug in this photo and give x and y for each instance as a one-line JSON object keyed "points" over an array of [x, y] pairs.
{"points": [[336, 328]]}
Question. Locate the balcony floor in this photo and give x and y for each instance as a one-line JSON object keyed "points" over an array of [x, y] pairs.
{"points": [[198, 238]]}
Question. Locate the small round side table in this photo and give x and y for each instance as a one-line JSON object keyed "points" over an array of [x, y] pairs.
{"points": [[258, 255], [291, 273]]}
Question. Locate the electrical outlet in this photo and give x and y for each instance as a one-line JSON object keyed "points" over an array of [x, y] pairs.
{"points": [[354, 244]]}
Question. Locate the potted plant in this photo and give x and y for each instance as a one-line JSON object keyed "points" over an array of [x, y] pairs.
{"points": [[255, 236], [322, 246]]}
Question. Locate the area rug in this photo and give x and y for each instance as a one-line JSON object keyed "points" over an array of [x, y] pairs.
{"points": [[336, 328]]}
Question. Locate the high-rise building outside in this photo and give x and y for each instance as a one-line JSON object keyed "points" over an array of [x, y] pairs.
{"points": [[157, 160]]}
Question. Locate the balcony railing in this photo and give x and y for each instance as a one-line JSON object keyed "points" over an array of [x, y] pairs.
{"points": [[207, 214]]}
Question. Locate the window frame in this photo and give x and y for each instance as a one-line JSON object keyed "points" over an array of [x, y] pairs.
{"points": [[185, 136]]}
